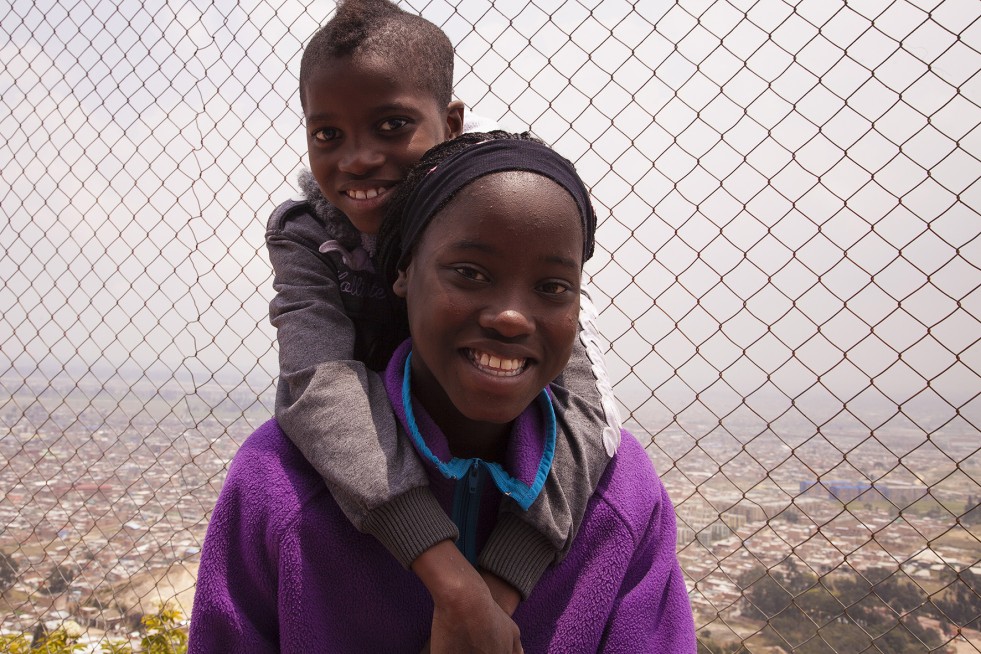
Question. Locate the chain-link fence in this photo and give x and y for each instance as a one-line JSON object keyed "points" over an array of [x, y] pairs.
{"points": [[787, 270]]}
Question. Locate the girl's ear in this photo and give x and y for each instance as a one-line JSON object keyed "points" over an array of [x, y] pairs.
{"points": [[401, 284]]}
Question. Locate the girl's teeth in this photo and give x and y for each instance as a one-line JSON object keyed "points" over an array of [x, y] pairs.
{"points": [[500, 366]]}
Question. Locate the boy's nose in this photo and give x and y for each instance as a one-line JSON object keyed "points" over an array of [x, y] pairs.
{"points": [[359, 159]]}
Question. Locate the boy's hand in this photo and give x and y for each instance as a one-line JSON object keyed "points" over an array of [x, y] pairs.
{"points": [[475, 624], [506, 595], [466, 617]]}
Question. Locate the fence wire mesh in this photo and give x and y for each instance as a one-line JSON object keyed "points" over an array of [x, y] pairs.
{"points": [[787, 270]]}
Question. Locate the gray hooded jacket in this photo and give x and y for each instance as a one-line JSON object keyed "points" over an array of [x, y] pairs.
{"points": [[328, 309]]}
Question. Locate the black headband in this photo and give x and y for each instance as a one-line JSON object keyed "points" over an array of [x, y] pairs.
{"points": [[485, 158]]}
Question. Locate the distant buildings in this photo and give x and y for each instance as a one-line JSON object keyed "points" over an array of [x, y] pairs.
{"points": [[900, 494]]}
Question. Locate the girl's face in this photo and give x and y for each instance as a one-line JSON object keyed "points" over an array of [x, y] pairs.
{"points": [[492, 292]]}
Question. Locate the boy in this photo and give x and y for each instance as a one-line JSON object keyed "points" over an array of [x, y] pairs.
{"points": [[375, 87]]}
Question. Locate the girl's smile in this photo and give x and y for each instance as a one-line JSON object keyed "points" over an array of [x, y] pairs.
{"points": [[497, 366]]}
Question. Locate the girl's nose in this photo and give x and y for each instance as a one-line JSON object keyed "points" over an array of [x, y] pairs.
{"points": [[509, 321]]}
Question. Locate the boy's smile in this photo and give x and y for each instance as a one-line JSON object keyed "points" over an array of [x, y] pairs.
{"points": [[492, 292], [367, 123]]}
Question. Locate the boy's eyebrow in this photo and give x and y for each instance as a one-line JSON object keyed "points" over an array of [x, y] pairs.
{"points": [[380, 109], [468, 244], [396, 106]]}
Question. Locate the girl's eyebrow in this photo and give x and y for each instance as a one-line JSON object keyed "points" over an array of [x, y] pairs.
{"points": [[470, 244], [564, 261], [480, 246]]}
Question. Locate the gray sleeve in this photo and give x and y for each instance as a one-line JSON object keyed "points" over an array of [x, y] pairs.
{"points": [[336, 410], [524, 543]]}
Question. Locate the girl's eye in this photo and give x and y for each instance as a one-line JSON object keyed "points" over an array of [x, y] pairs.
{"points": [[393, 124], [554, 288], [326, 134], [471, 273]]}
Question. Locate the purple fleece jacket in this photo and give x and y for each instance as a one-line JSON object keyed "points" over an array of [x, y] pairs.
{"points": [[284, 570]]}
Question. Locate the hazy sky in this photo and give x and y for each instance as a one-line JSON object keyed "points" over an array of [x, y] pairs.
{"points": [[789, 192]]}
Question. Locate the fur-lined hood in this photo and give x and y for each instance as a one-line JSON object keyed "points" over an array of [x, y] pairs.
{"points": [[338, 225]]}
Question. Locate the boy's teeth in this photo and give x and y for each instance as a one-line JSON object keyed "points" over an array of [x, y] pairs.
{"points": [[358, 194]]}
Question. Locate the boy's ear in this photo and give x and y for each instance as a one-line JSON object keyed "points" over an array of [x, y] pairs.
{"points": [[454, 119], [401, 284]]}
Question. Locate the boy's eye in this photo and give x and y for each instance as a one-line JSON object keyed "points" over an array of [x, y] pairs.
{"points": [[392, 124], [326, 134]]}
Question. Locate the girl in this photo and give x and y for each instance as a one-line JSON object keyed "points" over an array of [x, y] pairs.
{"points": [[491, 298]]}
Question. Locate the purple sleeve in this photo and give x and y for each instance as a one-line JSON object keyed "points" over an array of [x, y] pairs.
{"points": [[235, 601], [652, 612]]}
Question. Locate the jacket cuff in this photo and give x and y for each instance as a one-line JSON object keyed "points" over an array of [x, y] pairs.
{"points": [[516, 553], [410, 524]]}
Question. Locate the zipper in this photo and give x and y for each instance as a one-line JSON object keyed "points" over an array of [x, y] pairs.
{"points": [[466, 510]]}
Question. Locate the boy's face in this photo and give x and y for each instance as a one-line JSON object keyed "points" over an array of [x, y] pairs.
{"points": [[367, 123], [492, 292]]}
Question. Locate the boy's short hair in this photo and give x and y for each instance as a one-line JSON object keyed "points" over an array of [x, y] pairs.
{"points": [[380, 28]]}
